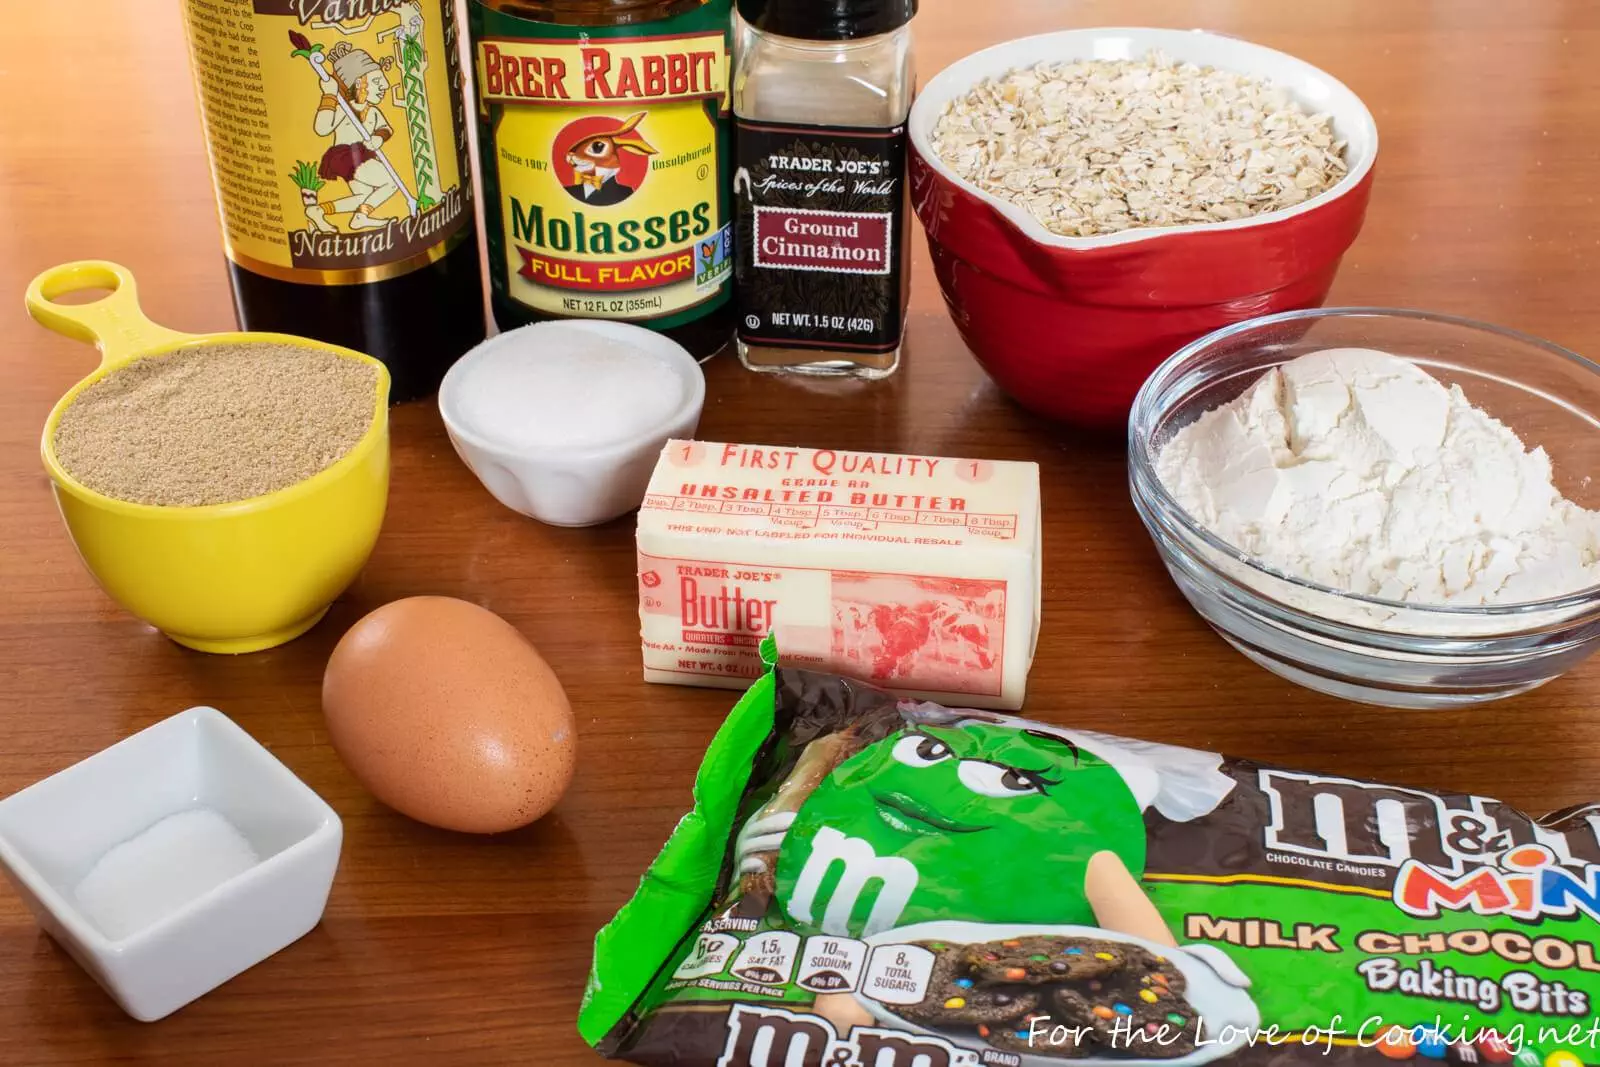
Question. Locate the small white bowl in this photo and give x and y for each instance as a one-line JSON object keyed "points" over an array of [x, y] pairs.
{"points": [[53, 832], [579, 485]]}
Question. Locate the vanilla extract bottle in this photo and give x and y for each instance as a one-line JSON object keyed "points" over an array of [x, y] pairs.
{"points": [[605, 145], [822, 90], [338, 146]]}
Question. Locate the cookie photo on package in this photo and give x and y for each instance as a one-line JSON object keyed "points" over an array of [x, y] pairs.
{"points": [[870, 881]]}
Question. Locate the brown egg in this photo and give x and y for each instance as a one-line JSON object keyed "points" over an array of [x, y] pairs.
{"points": [[447, 714]]}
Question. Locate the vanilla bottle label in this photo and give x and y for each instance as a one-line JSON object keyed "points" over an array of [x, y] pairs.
{"points": [[821, 229], [336, 135], [605, 153]]}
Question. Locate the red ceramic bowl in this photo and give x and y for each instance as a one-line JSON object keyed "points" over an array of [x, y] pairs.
{"points": [[1071, 326]]}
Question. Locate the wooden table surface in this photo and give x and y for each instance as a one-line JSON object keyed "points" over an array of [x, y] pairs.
{"points": [[444, 948]]}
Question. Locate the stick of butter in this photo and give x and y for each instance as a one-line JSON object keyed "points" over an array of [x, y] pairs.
{"points": [[919, 573]]}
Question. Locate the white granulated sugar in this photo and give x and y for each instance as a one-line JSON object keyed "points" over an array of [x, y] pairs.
{"points": [[567, 388], [179, 859], [1358, 470]]}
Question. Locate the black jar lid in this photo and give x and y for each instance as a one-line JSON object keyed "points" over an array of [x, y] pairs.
{"points": [[827, 20]]}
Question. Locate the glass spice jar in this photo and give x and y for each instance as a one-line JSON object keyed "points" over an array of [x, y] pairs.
{"points": [[821, 92]]}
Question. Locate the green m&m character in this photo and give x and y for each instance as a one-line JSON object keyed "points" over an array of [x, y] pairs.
{"points": [[977, 820]]}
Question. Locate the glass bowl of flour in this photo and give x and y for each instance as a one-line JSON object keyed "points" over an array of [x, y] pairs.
{"points": [[1390, 506]]}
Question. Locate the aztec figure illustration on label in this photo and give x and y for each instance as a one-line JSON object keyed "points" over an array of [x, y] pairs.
{"points": [[337, 151]]}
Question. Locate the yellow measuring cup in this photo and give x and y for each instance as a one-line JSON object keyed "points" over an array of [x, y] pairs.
{"points": [[234, 577]]}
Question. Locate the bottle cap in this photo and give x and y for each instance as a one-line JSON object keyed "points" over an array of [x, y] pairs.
{"points": [[827, 20]]}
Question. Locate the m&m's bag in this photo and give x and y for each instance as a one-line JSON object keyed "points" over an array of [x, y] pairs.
{"points": [[871, 881]]}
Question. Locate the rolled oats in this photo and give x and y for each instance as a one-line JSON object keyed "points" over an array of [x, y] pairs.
{"points": [[1098, 146]]}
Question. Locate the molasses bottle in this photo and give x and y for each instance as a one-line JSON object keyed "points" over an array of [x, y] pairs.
{"points": [[605, 141], [339, 150]]}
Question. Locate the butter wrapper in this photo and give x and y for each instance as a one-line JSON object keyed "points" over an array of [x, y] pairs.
{"points": [[918, 573]]}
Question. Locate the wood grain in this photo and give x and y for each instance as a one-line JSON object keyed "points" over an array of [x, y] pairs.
{"points": [[441, 948]]}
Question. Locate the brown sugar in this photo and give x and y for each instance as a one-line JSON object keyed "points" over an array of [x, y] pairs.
{"points": [[217, 423]]}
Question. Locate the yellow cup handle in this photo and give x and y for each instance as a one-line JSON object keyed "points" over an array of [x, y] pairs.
{"points": [[114, 324]]}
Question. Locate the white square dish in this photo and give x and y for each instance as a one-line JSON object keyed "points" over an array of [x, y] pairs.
{"points": [[54, 832]]}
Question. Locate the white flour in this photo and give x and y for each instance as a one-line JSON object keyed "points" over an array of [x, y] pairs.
{"points": [[1358, 470]]}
